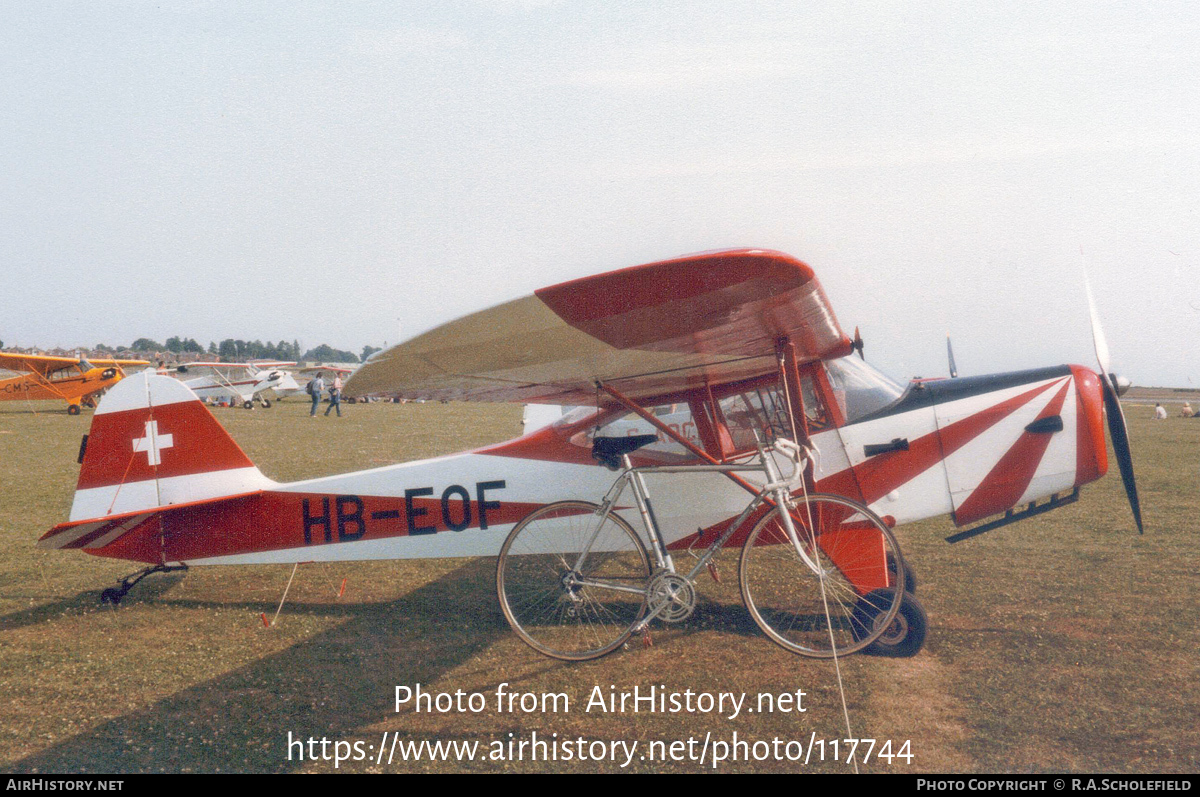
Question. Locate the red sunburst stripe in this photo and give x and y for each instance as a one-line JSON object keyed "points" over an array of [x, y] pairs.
{"points": [[1010, 477], [879, 475]]}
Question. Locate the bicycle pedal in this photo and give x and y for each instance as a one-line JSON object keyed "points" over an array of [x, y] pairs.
{"points": [[712, 571]]}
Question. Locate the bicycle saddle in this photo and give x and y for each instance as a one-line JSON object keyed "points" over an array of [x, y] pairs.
{"points": [[609, 450]]}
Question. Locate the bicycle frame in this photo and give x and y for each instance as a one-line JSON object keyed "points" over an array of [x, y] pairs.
{"points": [[775, 487]]}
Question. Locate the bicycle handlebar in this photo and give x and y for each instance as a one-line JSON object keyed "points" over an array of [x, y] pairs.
{"points": [[799, 455]]}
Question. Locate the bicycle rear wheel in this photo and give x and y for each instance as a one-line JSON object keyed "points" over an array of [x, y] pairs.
{"points": [[563, 606], [843, 608]]}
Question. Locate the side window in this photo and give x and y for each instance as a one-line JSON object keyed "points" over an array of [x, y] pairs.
{"points": [[814, 408], [678, 417], [760, 409]]}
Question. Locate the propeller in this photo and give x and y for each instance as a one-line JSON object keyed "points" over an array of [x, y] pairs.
{"points": [[1117, 429], [857, 344], [950, 354]]}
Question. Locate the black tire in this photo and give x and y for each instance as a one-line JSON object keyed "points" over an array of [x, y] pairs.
{"points": [[247, 405], [266, 404], [910, 575], [73, 409], [789, 600], [905, 635], [537, 589]]}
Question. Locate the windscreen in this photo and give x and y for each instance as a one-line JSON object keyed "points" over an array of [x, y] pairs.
{"points": [[861, 389]]}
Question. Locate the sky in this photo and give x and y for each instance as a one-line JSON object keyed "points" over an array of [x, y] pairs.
{"points": [[355, 173]]}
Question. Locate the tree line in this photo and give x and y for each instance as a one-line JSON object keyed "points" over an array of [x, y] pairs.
{"points": [[232, 349]]}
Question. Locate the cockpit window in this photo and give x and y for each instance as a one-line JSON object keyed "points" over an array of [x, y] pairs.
{"points": [[573, 415], [759, 409], [678, 417], [859, 388]]}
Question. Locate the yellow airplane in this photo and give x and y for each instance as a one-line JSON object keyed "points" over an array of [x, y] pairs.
{"points": [[74, 380]]}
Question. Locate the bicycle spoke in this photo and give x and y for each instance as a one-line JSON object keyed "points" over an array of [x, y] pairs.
{"points": [[811, 613], [563, 611]]}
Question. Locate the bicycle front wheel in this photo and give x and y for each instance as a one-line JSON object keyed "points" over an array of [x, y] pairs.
{"points": [[564, 603], [844, 605]]}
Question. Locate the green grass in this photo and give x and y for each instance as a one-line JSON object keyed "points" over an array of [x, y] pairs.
{"points": [[1065, 642]]}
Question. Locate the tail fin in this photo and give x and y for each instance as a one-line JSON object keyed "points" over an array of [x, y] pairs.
{"points": [[153, 444]]}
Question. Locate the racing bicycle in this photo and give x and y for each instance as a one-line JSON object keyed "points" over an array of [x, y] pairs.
{"points": [[822, 575]]}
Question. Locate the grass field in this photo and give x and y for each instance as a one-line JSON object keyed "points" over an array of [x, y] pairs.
{"points": [[1063, 643]]}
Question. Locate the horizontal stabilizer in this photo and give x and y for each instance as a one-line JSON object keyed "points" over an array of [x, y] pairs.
{"points": [[96, 533]]}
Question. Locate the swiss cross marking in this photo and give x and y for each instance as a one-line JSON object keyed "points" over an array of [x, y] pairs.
{"points": [[153, 443]]}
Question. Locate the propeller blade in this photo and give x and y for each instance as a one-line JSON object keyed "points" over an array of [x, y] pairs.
{"points": [[857, 345], [1098, 341], [950, 354], [1118, 430]]}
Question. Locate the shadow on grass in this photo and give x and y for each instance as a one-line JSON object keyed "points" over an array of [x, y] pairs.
{"points": [[731, 618], [330, 685], [87, 603]]}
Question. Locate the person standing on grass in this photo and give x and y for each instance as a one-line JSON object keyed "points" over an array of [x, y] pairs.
{"points": [[335, 396], [315, 388]]}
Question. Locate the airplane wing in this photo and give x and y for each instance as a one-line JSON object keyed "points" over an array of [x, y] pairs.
{"points": [[216, 365], [43, 364], [323, 368], [46, 364], [121, 363], [648, 330], [265, 365]]}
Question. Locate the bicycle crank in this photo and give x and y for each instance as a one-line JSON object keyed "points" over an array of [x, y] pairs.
{"points": [[671, 597]]}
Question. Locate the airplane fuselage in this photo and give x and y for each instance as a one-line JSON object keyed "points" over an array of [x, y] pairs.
{"points": [[185, 493], [73, 389]]}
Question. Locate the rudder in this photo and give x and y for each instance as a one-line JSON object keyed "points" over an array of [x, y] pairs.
{"points": [[154, 444]]}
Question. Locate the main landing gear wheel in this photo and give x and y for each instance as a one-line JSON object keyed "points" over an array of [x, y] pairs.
{"points": [[72, 409], [247, 405], [563, 607], [789, 600], [266, 404], [910, 575], [905, 634]]}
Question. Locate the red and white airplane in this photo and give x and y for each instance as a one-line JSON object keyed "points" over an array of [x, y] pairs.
{"points": [[242, 383], [719, 345]]}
